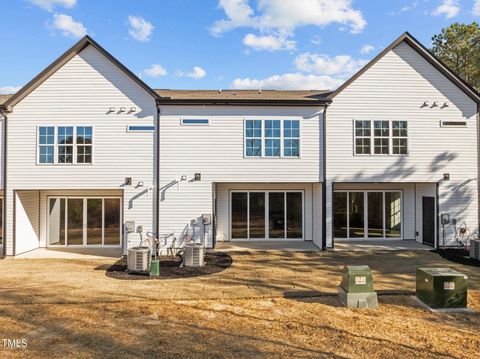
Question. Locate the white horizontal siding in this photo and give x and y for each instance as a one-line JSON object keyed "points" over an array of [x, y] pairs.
{"points": [[395, 88], [81, 93], [216, 151]]}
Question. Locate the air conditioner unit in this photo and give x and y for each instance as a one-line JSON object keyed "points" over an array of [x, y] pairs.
{"points": [[475, 249], [193, 255], [139, 259]]}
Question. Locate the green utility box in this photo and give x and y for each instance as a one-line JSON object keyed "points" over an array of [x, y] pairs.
{"points": [[356, 288], [442, 288]]}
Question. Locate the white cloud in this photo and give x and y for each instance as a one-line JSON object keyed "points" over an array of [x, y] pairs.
{"points": [[341, 65], [9, 90], [197, 73], [156, 70], [68, 26], [476, 8], [140, 29], [366, 49], [289, 81], [268, 42], [284, 16], [448, 8], [49, 5]]}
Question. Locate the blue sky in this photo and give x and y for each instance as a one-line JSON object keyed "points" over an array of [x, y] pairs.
{"points": [[220, 44]]}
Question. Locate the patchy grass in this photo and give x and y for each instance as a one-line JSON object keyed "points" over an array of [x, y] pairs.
{"points": [[265, 305]]}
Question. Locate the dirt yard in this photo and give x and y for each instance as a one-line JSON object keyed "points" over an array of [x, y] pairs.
{"points": [[275, 304]]}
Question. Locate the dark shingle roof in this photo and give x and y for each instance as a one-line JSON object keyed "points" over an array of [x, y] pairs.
{"points": [[233, 96], [4, 98], [242, 96]]}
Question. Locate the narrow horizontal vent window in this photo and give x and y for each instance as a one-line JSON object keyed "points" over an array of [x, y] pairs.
{"points": [[195, 121], [141, 128], [453, 123]]}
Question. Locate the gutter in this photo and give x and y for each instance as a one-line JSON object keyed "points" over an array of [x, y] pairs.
{"points": [[240, 102], [4, 174], [157, 171], [324, 184]]}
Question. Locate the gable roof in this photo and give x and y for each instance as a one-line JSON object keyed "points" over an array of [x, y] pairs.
{"points": [[427, 55], [62, 60]]}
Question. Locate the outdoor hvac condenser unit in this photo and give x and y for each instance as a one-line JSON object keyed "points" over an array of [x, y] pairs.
{"points": [[475, 249], [193, 255], [139, 259], [442, 288]]}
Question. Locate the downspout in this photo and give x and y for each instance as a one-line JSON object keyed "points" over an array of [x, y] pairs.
{"points": [[324, 184], [4, 174], [157, 171]]}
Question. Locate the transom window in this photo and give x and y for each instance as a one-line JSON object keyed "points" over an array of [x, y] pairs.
{"points": [[65, 145], [272, 138], [381, 137]]}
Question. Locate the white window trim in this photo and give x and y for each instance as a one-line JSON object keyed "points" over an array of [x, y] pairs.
{"points": [[84, 245], [56, 145], [365, 214], [282, 138], [267, 234], [372, 139]]}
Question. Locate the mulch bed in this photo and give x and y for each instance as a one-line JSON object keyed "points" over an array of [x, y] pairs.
{"points": [[170, 268], [460, 256]]}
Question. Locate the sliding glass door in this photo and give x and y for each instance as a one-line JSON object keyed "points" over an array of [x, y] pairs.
{"points": [[367, 214], [82, 221], [266, 215]]}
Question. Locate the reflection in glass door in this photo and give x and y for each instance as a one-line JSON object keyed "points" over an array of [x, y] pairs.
{"points": [[367, 214], [75, 221], [294, 207], [256, 201], [276, 215], [84, 221], [240, 215], [267, 215], [356, 215]]}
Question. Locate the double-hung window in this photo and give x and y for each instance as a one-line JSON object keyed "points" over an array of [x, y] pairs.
{"points": [[399, 137], [253, 138], [65, 145], [363, 134], [272, 138], [380, 137], [291, 138], [84, 144], [46, 144]]}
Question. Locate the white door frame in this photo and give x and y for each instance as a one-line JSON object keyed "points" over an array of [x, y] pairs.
{"points": [[365, 214], [267, 193], [84, 198]]}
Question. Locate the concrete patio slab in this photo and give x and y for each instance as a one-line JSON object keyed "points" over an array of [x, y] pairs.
{"points": [[387, 245], [297, 246], [71, 253]]}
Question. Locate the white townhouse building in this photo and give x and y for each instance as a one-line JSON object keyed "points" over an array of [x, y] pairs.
{"points": [[88, 149]]}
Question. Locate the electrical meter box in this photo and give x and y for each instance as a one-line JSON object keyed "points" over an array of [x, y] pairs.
{"points": [[356, 287], [442, 288]]}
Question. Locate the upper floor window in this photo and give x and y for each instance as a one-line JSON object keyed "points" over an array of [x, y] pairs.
{"points": [[65, 145], [272, 138], [381, 137]]}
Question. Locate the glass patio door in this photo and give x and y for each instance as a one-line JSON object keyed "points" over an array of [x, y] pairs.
{"points": [[76, 221], [367, 214], [266, 215]]}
